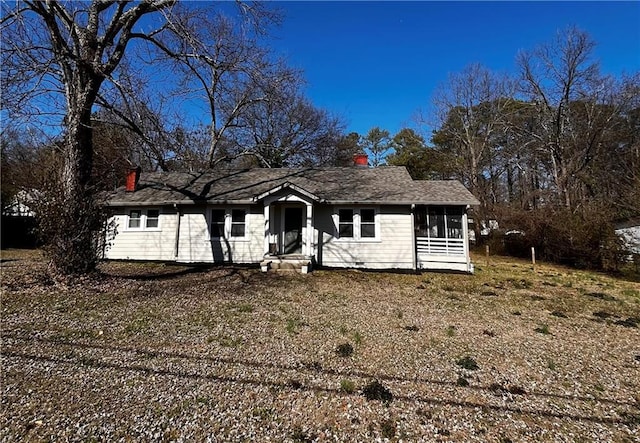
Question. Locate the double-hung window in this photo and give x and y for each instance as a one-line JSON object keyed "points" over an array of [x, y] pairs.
{"points": [[345, 223], [357, 223], [238, 222], [217, 223], [367, 223], [228, 223], [141, 219], [135, 218], [153, 217]]}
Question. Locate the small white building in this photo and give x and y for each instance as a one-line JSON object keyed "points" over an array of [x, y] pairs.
{"points": [[20, 204], [353, 217], [629, 231]]}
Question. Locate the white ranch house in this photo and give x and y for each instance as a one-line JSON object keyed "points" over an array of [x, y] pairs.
{"points": [[350, 217]]}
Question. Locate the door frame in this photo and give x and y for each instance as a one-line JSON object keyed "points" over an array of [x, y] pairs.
{"points": [[303, 227]]}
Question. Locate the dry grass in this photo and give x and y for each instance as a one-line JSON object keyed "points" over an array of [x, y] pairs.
{"points": [[176, 353]]}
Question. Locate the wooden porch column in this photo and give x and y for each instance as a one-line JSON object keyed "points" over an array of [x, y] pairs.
{"points": [[465, 237], [414, 237], [267, 229], [309, 224]]}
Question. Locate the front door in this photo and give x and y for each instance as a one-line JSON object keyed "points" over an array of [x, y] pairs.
{"points": [[292, 235]]}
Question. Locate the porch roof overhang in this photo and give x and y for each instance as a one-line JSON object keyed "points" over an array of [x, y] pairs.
{"points": [[287, 185]]}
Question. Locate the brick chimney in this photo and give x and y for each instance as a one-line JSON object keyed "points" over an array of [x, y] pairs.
{"points": [[360, 160], [133, 175]]}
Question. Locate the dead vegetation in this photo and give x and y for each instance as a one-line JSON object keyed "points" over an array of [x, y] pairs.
{"points": [[168, 352]]}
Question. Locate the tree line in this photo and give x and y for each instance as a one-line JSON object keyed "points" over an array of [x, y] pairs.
{"points": [[91, 88], [552, 153]]}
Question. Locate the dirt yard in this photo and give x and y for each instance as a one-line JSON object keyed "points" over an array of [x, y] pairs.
{"points": [[153, 352]]}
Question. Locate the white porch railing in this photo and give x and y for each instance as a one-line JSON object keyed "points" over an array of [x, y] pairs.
{"points": [[440, 246]]}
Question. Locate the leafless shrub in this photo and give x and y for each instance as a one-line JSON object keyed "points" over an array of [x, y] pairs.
{"points": [[584, 238]]}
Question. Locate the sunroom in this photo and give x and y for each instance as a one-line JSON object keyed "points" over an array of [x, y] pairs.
{"points": [[441, 235]]}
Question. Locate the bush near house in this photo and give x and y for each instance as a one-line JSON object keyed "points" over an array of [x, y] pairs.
{"points": [[583, 239]]}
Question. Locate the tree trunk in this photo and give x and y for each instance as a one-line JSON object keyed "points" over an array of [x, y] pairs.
{"points": [[510, 194], [78, 154], [78, 214]]}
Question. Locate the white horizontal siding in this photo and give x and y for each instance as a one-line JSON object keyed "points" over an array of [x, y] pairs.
{"points": [[394, 249], [441, 258], [196, 246], [141, 244], [446, 264]]}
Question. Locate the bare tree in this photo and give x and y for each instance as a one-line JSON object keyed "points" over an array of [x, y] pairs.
{"points": [[576, 107], [147, 117], [555, 155], [613, 175], [287, 130], [223, 62], [69, 48], [471, 108]]}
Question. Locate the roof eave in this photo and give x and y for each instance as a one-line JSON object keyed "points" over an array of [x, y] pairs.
{"points": [[403, 202], [180, 202], [116, 203], [450, 203]]}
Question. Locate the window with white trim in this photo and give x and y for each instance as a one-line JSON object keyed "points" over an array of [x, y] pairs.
{"points": [[152, 219], [217, 223], [142, 219], [345, 223], [357, 223], [135, 216], [238, 222], [228, 223], [367, 223]]}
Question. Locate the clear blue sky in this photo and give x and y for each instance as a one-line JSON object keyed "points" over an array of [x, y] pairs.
{"points": [[377, 63]]}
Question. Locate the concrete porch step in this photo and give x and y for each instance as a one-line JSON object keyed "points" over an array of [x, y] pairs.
{"points": [[286, 265]]}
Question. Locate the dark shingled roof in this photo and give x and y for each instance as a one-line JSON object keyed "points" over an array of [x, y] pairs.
{"points": [[383, 185]]}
